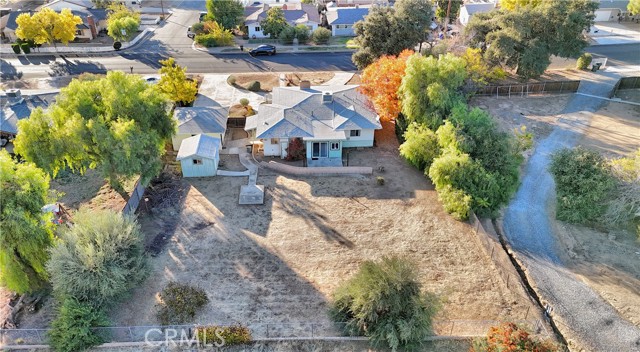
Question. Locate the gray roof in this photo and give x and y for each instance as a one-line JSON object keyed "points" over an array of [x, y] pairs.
{"points": [[200, 145], [10, 115], [614, 4], [297, 112], [346, 16], [473, 8], [202, 119], [306, 12], [98, 15]]}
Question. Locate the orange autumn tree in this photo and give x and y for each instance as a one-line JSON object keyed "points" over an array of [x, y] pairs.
{"points": [[510, 337], [380, 83]]}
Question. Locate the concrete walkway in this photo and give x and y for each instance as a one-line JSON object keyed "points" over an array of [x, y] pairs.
{"points": [[251, 193], [584, 318]]}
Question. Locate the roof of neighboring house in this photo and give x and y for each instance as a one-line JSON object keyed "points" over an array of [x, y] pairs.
{"points": [[85, 3], [301, 14], [10, 115], [346, 16], [199, 145], [473, 8], [253, 13], [296, 112], [98, 15], [204, 119], [614, 4]]}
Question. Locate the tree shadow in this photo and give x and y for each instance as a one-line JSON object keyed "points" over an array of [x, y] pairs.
{"points": [[75, 67], [8, 71], [36, 60]]}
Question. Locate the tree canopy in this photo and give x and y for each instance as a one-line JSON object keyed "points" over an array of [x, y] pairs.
{"points": [[25, 231], [383, 33], [228, 13], [174, 83], [47, 26], [118, 123], [274, 23], [417, 14], [122, 22], [443, 6], [634, 7], [380, 83], [526, 39]]}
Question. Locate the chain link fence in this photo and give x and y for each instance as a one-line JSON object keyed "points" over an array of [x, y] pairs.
{"points": [[259, 331], [526, 89], [628, 83]]}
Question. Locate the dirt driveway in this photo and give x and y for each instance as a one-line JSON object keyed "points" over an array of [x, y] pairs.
{"points": [[280, 262]]}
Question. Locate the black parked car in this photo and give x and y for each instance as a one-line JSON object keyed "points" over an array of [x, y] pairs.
{"points": [[263, 50]]}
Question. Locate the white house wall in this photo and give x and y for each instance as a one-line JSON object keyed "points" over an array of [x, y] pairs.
{"points": [[207, 168], [364, 140], [271, 149], [342, 32]]}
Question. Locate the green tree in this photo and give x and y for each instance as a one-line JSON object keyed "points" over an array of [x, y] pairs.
{"points": [[443, 6], [384, 301], [275, 22], [25, 231], [228, 13], [321, 35], [99, 259], [417, 14], [122, 22], [634, 7], [174, 83], [72, 330], [429, 88], [118, 124], [47, 26], [382, 33], [526, 39], [420, 146]]}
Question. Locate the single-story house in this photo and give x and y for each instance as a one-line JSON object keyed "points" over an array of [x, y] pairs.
{"points": [[58, 5], [199, 156], [294, 13], [326, 118], [469, 9], [93, 21], [351, 3], [16, 107], [206, 120], [342, 20], [610, 10]]}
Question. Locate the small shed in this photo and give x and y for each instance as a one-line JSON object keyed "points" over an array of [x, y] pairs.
{"points": [[199, 156], [209, 120]]}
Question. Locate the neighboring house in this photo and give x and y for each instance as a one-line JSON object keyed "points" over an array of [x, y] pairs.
{"points": [[58, 5], [469, 9], [15, 107], [210, 121], [351, 3], [294, 13], [611, 10], [93, 21], [326, 118], [199, 156], [342, 20]]}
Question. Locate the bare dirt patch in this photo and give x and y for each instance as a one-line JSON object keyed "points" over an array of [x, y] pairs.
{"points": [[270, 80], [356, 79], [281, 261], [614, 130], [538, 113]]}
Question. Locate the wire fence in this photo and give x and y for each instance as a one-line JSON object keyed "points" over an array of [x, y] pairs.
{"points": [[259, 331], [526, 89]]}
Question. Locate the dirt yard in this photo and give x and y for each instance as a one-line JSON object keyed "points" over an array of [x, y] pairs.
{"points": [[281, 261], [270, 80]]}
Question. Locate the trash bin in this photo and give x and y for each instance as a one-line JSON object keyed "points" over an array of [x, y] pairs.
{"points": [[595, 67]]}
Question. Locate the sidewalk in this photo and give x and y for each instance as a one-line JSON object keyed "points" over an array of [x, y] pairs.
{"points": [[610, 33], [301, 49]]}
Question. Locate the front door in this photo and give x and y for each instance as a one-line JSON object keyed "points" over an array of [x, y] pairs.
{"points": [[320, 150]]}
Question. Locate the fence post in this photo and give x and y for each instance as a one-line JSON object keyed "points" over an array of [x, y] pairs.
{"points": [[451, 332], [493, 248], [131, 335], [312, 332], [267, 325], [526, 315], [509, 91], [40, 340], [561, 85], [508, 277]]}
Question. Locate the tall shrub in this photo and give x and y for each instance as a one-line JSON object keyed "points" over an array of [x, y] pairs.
{"points": [[72, 331], [321, 36], [384, 301], [420, 146]]}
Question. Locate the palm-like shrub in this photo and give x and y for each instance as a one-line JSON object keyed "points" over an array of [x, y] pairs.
{"points": [[384, 302], [99, 259]]}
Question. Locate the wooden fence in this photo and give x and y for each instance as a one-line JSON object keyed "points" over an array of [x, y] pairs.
{"points": [[525, 89], [134, 199]]}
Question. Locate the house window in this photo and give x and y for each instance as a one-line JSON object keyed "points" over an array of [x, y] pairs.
{"points": [[78, 32], [197, 161], [274, 140], [335, 145], [320, 150], [257, 29], [354, 133]]}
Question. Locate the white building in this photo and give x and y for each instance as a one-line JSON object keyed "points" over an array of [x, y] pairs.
{"points": [[469, 9]]}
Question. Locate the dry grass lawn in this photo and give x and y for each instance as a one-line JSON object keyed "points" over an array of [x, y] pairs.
{"points": [[281, 261], [270, 80]]}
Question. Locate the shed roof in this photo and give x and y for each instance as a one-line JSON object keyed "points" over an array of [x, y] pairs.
{"points": [[200, 145], [201, 119]]}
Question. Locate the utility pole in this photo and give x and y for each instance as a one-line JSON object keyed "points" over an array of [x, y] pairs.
{"points": [[162, 6], [447, 18]]}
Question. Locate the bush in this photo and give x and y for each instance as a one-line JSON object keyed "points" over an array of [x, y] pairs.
{"points": [[510, 337], [420, 146], [584, 61], [287, 35], [71, 331], [197, 28], [180, 303], [296, 150], [624, 209], [16, 48], [99, 259], [384, 302], [226, 335], [244, 102], [321, 36], [302, 33], [26, 48], [206, 40], [231, 80], [524, 138], [583, 185], [455, 202], [221, 36], [254, 86], [380, 180]]}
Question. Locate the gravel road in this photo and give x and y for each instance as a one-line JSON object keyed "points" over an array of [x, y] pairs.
{"points": [[586, 320]]}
